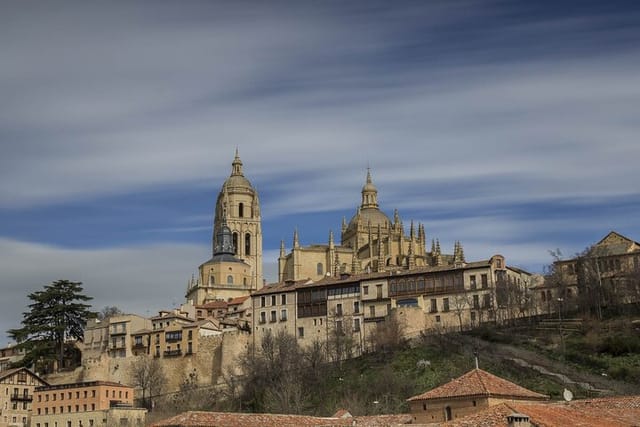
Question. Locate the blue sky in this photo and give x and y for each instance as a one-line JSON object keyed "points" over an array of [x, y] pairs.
{"points": [[510, 126]]}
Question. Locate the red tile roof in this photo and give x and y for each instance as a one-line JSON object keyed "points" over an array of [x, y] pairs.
{"points": [[479, 383], [229, 419], [238, 300], [606, 412], [213, 304]]}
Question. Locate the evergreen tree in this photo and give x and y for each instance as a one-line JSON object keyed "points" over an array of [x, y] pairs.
{"points": [[56, 314]]}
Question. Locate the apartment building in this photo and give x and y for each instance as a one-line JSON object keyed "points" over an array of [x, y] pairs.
{"points": [[86, 404], [16, 396]]}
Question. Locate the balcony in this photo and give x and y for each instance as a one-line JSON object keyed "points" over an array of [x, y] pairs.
{"points": [[172, 353], [22, 397], [173, 338]]}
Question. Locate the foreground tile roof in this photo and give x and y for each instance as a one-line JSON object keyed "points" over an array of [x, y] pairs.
{"points": [[479, 383], [230, 419], [605, 412]]}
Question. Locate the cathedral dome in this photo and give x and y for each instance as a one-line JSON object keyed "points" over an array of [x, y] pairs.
{"points": [[373, 216]]}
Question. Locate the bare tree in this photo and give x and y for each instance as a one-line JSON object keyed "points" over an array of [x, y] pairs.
{"points": [[460, 303], [148, 375]]}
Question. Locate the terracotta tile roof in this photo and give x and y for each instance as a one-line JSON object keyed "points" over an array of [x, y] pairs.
{"points": [[479, 383], [280, 287], [229, 419], [213, 304], [607, 412], [238, 300]]}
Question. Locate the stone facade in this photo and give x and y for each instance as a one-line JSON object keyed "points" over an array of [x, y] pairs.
{"points": [[17, 388], [370, 242], [236, 266]]}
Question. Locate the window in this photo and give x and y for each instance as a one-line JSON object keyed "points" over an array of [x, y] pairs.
{"points": [[189, 336], [173, 336], [273, 315], [300, 332], [356, 325], [283, 299], [93, 406], [263, 301], [365, 290], [338, 309], [273, 300], [483, 279], [235, 242], [263, 317], [476, 302], [85, 394], [22, 377], [438, 318], [498, 263], [486, 301], [379, 291], [445, 304], [473, 316], [283, 315], [372, 311], [247, 244], [472, 282], [339, 329], [424, 406], [356, 307], [319, 269], [229, 280], [241, 210], [434, 306]]}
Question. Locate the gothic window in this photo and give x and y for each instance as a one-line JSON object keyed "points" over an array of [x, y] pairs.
{"points": [[230, 279], [247, 244], [320, 269], [241, 210], [235, 243]]}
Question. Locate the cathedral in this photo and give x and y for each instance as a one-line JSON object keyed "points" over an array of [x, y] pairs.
{"points": [[370, 242]]}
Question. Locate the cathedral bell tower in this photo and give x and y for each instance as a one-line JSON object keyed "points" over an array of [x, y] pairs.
{"points": [[239, 207]]}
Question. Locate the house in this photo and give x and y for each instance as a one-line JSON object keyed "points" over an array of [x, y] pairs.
{"points": [[16, 396], [467, 394], [87, 404]]}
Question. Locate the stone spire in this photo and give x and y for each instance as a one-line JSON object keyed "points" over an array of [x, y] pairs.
{"points": [[461, 252], [355, 264], [331, 243], [380, 250], [396, 218], [296, 240], [438, 256], [344, 224], [412, 234], [411, 256], [236, 166], [369, 193], [282, 250]]}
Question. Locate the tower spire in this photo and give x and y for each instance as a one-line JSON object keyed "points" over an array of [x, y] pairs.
{"points": [[236, 166], [369, 193], [296, 241]]}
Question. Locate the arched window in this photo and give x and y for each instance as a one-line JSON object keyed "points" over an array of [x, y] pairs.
{"points": [[212, 280], [230, 280], [447, 414], [241, 210], [247, 244], [235, 243], [320, 269]]}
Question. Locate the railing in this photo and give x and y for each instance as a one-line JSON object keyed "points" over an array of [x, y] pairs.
{"points": [[172, 353], [22, 397]]}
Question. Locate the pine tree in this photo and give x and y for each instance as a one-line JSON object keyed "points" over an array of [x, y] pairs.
{"points": [[56, 314]]}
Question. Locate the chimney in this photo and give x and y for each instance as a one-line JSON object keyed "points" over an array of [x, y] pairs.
{"points": [[518, 420]]}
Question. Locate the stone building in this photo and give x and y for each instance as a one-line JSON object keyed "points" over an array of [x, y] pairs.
{"points": [[16, 396], [369, 242], [467, 394], [236, 266], [351, 308], [86, 404]]}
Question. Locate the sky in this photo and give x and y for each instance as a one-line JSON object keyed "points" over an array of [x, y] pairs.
{"points": [[510, 126]]}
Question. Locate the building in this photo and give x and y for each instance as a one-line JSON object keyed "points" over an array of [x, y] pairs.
{"points": [[606, 274], [9, 355], [370, 242], [467, 394], [351, 308], [17, 388], [236, 266], [86, 404]]}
